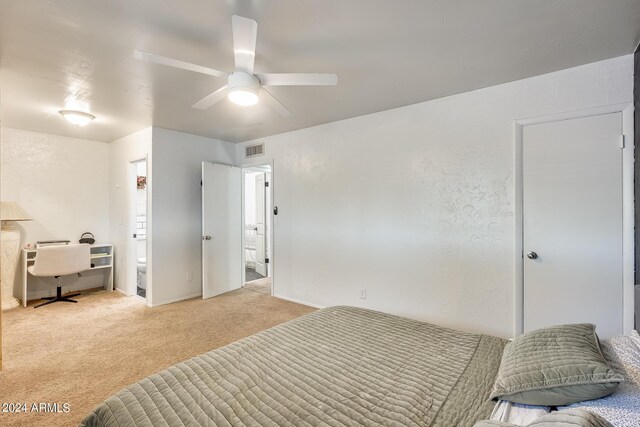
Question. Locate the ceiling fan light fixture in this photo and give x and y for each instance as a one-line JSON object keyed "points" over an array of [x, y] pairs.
{"points": [[244, 97], [77, 118], [243, 88]]}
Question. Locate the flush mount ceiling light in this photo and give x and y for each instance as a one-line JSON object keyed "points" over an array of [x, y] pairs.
{"points": [[77, 118], [243, 86]]}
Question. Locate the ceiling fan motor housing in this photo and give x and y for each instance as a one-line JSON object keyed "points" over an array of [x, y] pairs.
{"points": [[241, 80]]}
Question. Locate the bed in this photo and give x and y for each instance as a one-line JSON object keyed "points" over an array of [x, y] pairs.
{"points": [[347, 366], [338, 366]]}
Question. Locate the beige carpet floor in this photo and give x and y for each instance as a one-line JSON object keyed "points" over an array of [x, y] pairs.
{"points": [[260, 285], [82, 353]]}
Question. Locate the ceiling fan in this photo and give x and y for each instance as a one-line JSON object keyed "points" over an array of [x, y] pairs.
{"points": [[243, 86]]}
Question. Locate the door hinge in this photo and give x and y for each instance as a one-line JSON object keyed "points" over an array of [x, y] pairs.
{"points": [[266, 183], [622, 141], [266, 260]]}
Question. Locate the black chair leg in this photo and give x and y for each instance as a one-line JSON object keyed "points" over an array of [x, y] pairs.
{"points": [[45, 303], [58, 297]]}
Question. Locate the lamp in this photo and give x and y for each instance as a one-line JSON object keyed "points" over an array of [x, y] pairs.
{"points": [[9, 250], [77, 118]]}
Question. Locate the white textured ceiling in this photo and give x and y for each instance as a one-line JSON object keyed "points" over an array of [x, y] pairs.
{"points": [[386, 54]]}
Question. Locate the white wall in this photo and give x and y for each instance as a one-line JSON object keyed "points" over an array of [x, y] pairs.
{"points": [[177, 211], [121, 152], [63, 185], [416, 204]]}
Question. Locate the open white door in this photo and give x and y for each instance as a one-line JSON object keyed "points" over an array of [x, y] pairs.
{"points": [[261, 246], [221, 229]]}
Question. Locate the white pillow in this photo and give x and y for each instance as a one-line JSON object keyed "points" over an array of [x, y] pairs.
{"points": [[517, 413]]}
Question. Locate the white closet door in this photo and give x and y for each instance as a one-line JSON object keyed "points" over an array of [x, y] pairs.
{"points": [[221, 229], [572, 213]]}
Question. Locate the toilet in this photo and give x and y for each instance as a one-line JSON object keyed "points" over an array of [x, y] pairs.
{"points": [[142, 272]]}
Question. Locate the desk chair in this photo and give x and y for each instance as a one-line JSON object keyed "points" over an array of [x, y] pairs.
{"points": [[60, 260]]}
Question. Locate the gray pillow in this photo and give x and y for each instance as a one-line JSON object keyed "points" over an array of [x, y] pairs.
{"points": [[555, 366]]}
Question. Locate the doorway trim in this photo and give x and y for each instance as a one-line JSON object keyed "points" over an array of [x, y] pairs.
{"points": [[270, 232], [628, 210], [131, 261]]}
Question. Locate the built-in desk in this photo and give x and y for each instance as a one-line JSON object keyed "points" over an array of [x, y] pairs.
{"points": [[101, 259]]}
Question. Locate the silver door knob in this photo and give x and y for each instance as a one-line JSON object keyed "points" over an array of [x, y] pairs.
{"points": [[207, 237], [532, 255]]}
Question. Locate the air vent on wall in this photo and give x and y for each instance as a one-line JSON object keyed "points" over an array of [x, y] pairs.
{"points": [[254, 150]]}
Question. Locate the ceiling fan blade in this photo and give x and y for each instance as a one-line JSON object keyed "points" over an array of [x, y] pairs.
{"points": [[245, 32], [298, 79], [158, 59], [211, 99], [274, 103]]}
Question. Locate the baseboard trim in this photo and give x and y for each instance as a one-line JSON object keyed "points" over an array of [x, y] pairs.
{"points": [[297, 301], [199, 294]]}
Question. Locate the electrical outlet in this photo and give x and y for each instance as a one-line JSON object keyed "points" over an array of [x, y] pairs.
{"points": [[363, 293]]}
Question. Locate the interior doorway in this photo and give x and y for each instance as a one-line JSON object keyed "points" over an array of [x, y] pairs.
{"points": [[137, 259], [257, 221]]}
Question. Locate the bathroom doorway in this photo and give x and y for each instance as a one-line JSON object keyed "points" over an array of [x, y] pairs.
{"points": [[138, 201], [257, 220]]}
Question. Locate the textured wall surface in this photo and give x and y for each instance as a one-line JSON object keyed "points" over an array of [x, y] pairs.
{"points": [[177, 211], [416, 204], [62, 183]]}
